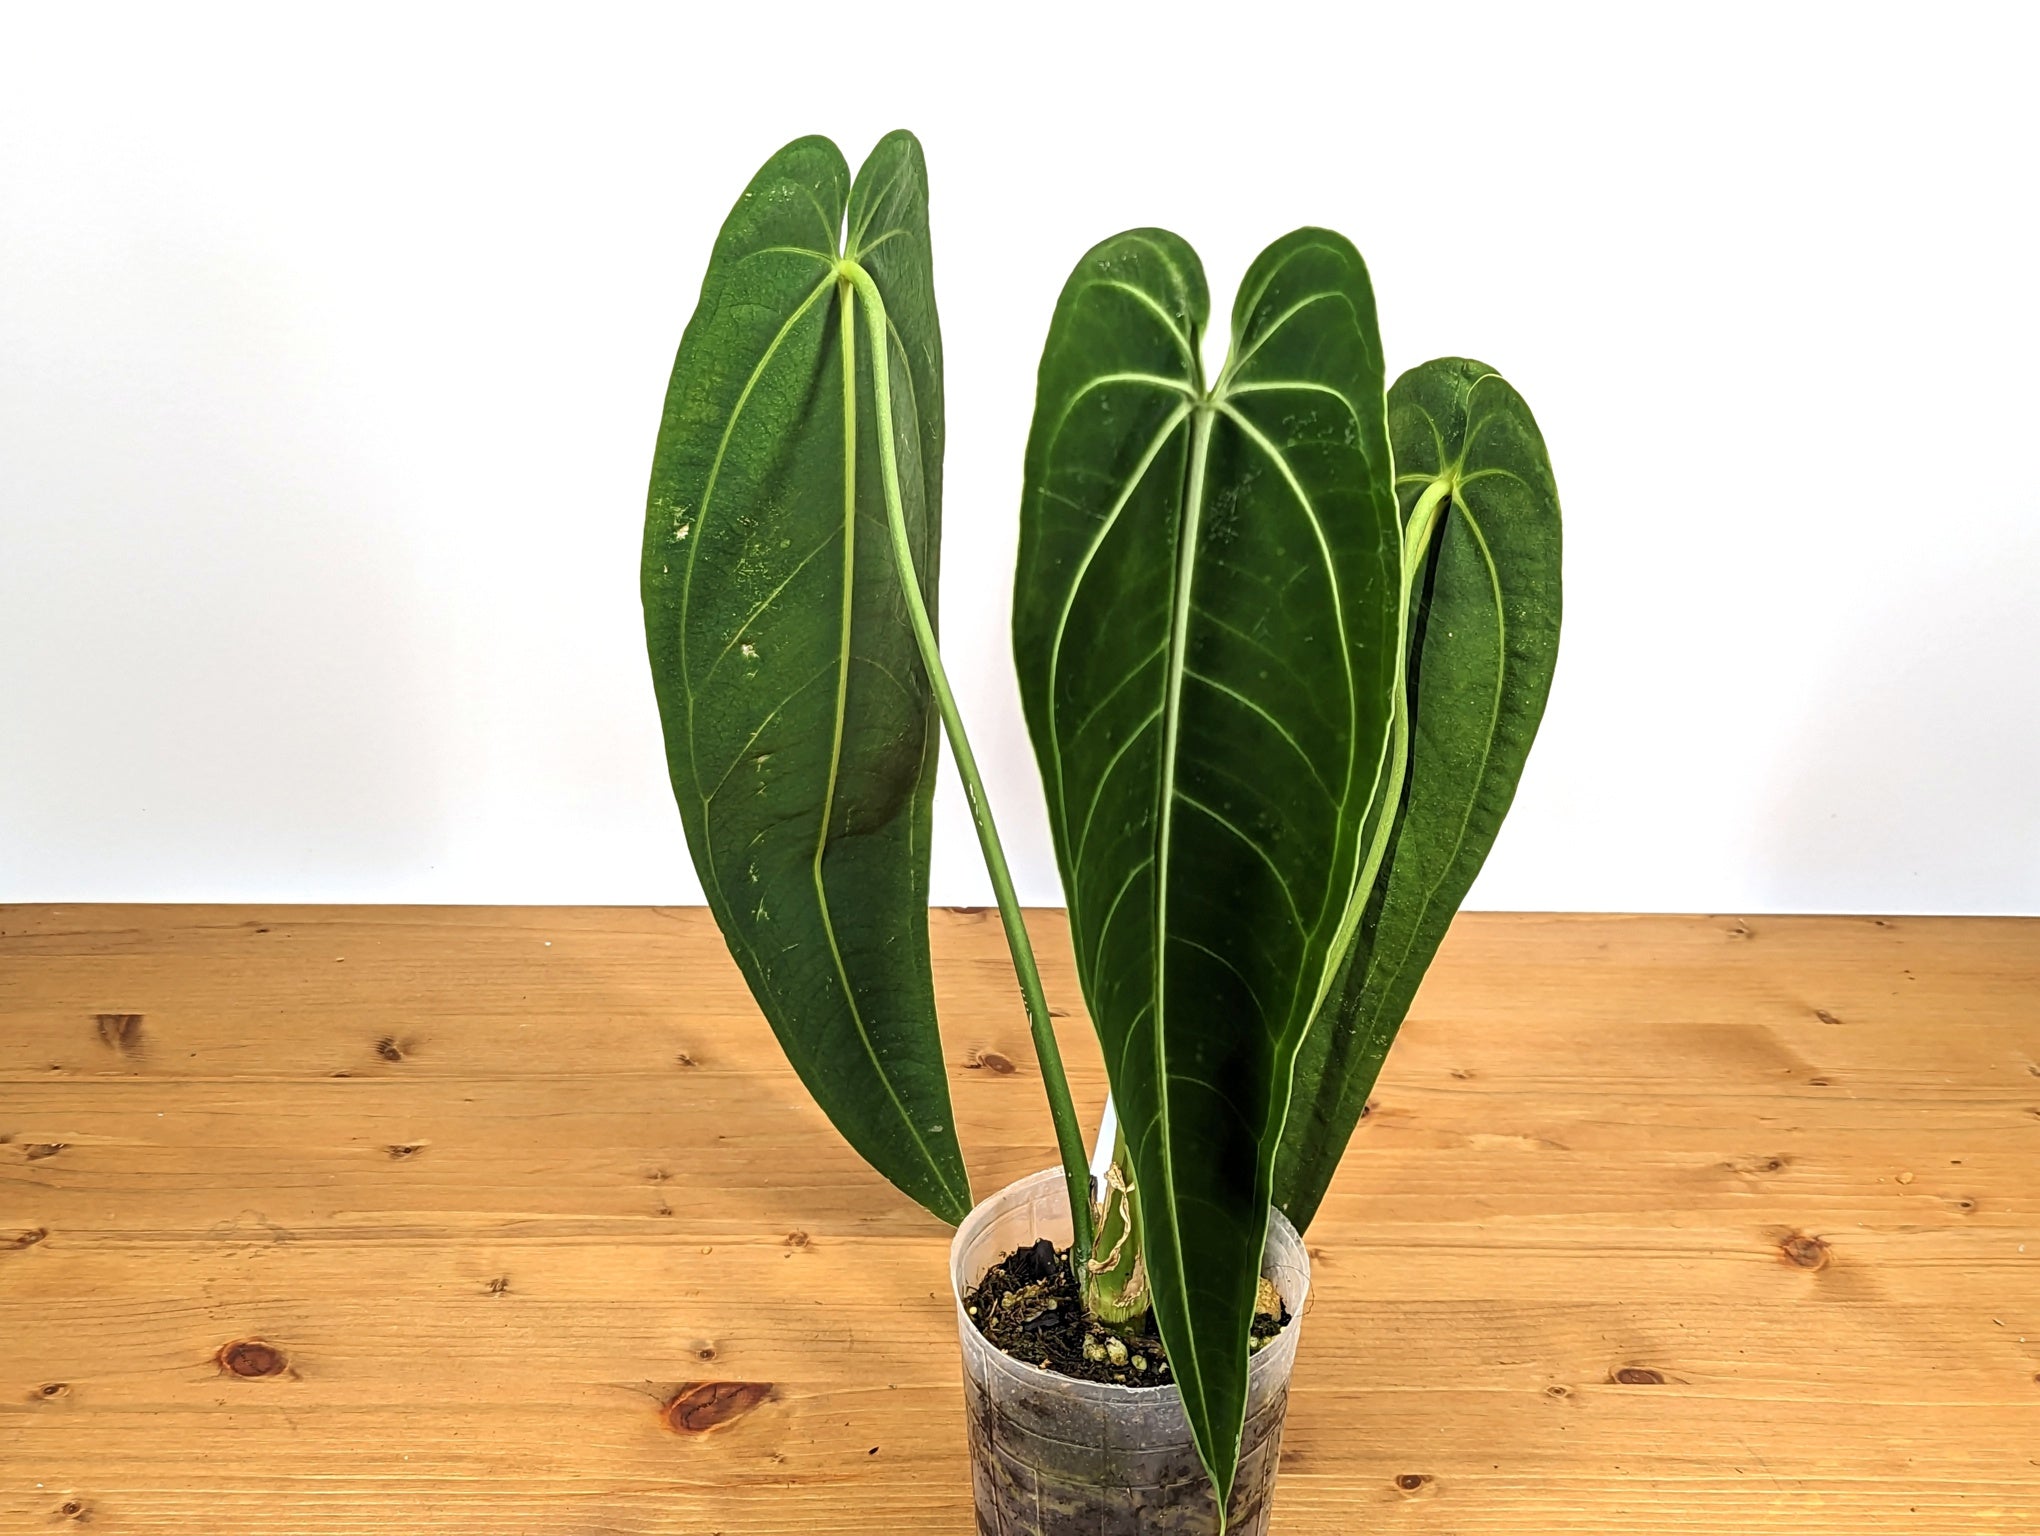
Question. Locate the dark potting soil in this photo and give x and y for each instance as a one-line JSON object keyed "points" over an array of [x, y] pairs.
{"points": [[1027, 1305]]}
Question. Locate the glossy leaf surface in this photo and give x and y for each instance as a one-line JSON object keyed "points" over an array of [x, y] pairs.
{"points": [[800, 729], [1484, 619], [1206, 629]]}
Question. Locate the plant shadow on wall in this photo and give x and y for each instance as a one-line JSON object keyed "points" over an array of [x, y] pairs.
{"points": [[1920, 755], [1283, 639]]}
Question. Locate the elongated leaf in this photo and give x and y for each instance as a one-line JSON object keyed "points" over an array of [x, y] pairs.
{"points": [[1483, 640], [800, 729], [1205, 626]]}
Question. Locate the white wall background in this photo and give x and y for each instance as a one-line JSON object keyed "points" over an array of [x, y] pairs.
{"points": [[332, 343]]}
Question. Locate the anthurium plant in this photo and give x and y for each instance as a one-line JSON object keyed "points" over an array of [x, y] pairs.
{"points": [[1283, 639]]}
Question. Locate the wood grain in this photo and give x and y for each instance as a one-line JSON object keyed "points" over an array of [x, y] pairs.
{"points": [[510, 1220]]}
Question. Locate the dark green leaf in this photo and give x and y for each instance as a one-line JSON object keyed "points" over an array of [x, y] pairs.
{"points": [[800, 729], [1206, 632], [1484, 619]]}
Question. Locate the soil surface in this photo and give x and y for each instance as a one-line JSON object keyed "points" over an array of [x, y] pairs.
{"points": [[1027, 1305]]}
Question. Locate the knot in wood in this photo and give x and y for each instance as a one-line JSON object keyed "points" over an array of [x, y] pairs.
{"points": [[1804, 1252], [121, 1031], [701, 1406], [251, 1357]]}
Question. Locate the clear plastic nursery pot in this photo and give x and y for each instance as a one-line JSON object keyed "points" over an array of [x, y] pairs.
{"points": [[1052, 1456]]}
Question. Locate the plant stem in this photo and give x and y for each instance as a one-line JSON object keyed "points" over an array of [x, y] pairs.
{"points": [[1069, 1137]]}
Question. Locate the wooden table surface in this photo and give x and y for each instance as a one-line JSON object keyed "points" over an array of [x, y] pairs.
{"points": [[431, 1220]]}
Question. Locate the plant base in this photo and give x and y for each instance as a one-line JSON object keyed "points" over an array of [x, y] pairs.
{"points": [[1052, 1456]]}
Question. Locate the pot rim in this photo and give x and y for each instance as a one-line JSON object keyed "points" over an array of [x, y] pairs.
{"points": [[1107, 1391]]}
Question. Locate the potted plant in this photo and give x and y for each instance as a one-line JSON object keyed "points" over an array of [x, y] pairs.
{"points": [[1283, 639]]}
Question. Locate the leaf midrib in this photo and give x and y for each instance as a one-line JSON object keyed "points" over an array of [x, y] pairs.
{"points": [[1172, 721]]}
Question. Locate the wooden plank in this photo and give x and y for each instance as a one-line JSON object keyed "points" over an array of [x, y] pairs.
{"points": [[1697, 1224]]}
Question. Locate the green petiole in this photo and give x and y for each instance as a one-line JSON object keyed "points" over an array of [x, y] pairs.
{"points": [[857, 283]]}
